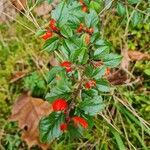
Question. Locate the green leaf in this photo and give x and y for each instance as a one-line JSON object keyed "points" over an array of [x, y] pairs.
{"points": [[101, 52], [51, 44], [91, 19], [103, 85], [50, 127], [97, 6], [92, 106], [61, 89], [56, 93], [66, 31], [80, 55], [89, 93], [99, 73], [118, 138], [136, 19], [102, 42], [65, 14], [53, 72], [112, 60], [70, 44], [121, 10], [83, 56], [74, 132], [147, 72], [133, 1], [60, 13], [95, 73]]}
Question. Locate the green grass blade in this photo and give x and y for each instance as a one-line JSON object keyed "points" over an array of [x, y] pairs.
{"points": [[118, 138]]}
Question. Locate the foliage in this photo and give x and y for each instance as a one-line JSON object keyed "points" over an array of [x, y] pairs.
{"points": [[71, 82], [128, 131]]}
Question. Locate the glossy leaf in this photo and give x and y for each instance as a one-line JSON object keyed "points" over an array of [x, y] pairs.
{"points": [[112, 60], [51, 44], [92, 106], [103, 85], [50, 127], [121, 10], [53, 72], [66, 31]]}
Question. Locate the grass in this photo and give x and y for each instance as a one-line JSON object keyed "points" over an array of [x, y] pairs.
{"points": [[118, 127]]}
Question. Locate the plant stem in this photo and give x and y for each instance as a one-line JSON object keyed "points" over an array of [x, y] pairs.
{"points": [[76, 93]]}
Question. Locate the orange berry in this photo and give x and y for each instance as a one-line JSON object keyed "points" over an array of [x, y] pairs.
{"points": [[63, 127], [81, 121], [90, 84], [80, 28], [47, 35], [84, 9], [53, 25], [66, 65]]}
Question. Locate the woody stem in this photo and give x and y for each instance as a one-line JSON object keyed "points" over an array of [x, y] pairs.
{"points": [[75, 94]]}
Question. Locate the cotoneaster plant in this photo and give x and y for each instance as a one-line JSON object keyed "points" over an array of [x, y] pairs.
{"points": [[76, 85]]}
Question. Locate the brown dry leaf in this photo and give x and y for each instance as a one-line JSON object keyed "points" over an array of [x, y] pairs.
{"points": [[45, 8], [19, 4], [135, 56], [7, 11], [28, 111], [18, 75], [117, 78]]}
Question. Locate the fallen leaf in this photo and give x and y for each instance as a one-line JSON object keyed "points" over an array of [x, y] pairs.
{"points": [[7, 11], [117, 78], [45, 8], [135, 56], [19, 5], [28, 111]]}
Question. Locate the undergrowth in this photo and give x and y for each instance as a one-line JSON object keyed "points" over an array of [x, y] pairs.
{"points": [[20, 50]]}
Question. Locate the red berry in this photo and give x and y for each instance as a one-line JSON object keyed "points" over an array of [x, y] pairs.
{"points": [[90, 84], [53, 25], [81, 121], [66, 65], [47, 35], [84, 9], [63, 127], [80, 28], [60, 105]]}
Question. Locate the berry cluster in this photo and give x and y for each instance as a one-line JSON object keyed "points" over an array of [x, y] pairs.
{"points": [[75, 86], [89, 31], [62, 106], [53, 28]]}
